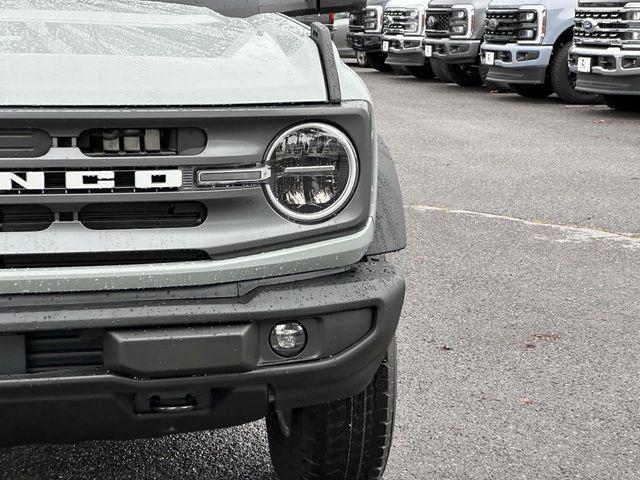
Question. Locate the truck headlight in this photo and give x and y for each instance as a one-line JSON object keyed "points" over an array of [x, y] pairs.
{"points": [[461, 21], [532, 23], [373, 19], [314, 172]]}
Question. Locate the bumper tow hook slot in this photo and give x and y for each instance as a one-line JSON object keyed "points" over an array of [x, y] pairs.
{"points": [[173, 405]]}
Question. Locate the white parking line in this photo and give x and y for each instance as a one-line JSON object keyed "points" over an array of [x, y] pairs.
{"points": [[576, 232]]}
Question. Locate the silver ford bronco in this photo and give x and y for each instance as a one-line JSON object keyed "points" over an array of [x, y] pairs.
{"points": [[194, 212]]}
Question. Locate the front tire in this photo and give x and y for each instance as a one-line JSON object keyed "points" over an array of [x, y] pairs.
{"points": [[425, 72], [530, 91], [623, 103], [440, 70], [563, 81], [361, 59], [376, 60], [344, 439], [465, 75]]}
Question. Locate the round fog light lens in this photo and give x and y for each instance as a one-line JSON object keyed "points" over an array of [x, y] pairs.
{"points": [[288, 339]]}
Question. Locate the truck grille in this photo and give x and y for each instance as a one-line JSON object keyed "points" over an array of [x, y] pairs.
{"points": [[25, 218], [437, 22], [501, 25], [61, 351], [356, 21], [606, 25], [403, 21], [105, 216], [137, 257], [112, 216]]}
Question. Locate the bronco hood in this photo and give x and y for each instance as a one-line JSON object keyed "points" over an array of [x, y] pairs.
{"points": [[145, 53]]}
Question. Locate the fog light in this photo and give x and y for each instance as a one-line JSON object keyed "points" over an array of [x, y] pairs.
{"points": [[288, 339]]}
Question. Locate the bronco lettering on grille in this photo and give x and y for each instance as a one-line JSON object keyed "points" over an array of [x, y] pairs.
{"points": [[90, 180]]}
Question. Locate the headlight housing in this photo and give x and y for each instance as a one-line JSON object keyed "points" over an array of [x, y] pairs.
{"points": [[314, 172], [373, 19], [532, 23], [415, 21], [461, 21]]}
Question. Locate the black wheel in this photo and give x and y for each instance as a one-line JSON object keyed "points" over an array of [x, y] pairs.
{"points": [[361, 59], [465, 75], [376, 60], [563, 81], [531, 91], [423, 72], [345, 439], [624, 103], [400, 70], [440, 70]]}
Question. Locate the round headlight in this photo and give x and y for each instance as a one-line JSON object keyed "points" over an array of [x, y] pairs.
{"points": [[314, 171]]}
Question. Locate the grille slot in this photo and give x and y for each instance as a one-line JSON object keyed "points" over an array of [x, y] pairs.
{"points": [[440, 28], [24, 143], [142, 141], [49, 351], [25, 218], [356, 21], [101, 258], [611, 25], [507, 28], [106, 216]]}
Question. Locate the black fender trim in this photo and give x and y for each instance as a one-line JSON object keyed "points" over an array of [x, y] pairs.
{"points": [[390, 232], [321, 35]]}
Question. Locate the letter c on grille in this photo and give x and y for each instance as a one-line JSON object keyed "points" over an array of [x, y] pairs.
{"points": [[96, 180]]}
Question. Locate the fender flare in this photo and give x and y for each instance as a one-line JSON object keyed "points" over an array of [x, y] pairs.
{"points": [[390, 232]]}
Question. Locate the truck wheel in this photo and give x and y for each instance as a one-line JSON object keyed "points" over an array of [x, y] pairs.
{"points": [[465, 75], [376, 60], [423, 72], [531, 91], [400, 70], [440, 70], [563, 81], [344, 439], [624, 103], [361, 59]]}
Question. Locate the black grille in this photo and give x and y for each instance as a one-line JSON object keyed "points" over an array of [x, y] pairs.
{"points": [[356, 21], [604, 25], [109, 216], [25, 218], [101, 258], [437, 23], [62, 350], [507, 28]]}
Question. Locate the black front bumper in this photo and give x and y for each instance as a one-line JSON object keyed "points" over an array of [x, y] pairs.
{"points": [[533, 76], [608, 84], [365, 42], [154, 379]]}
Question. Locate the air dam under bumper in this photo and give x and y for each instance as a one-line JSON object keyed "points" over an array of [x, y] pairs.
{"points": [[149, 386], [408, 59], [608, 84]]}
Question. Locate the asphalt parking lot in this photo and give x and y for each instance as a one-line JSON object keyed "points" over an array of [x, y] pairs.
{"points": [[520, 338]]}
